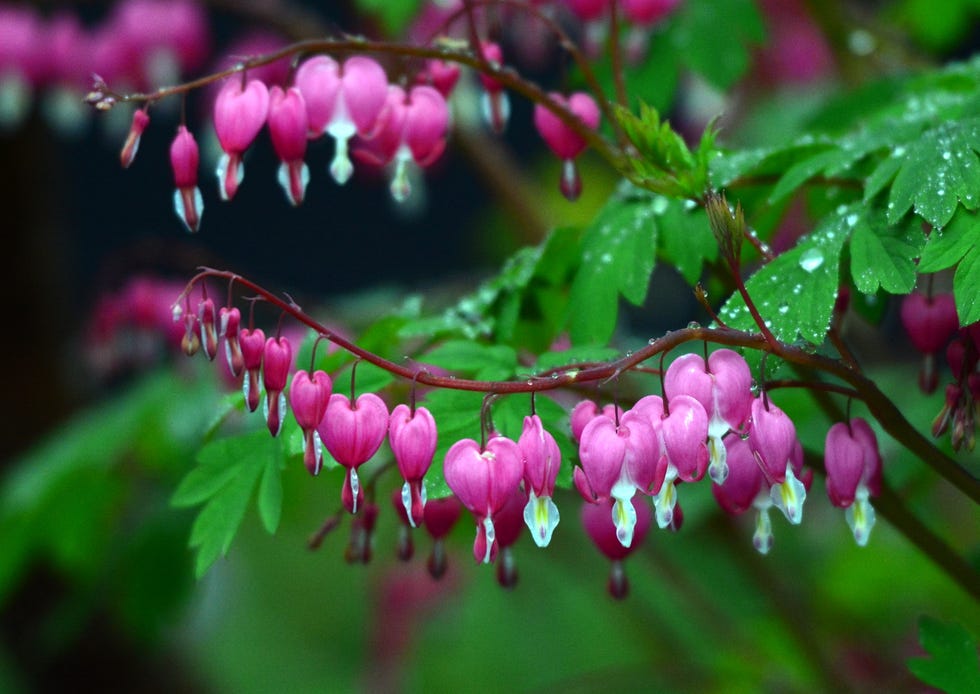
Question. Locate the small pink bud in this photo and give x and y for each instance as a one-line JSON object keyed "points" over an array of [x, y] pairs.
{"points": [[184, 157], [439, 518], [239, 113], [209, 332], [648, 12], [588, 10], [406, 546], [441, 74], [253, 348], [140, 121], [277, 360], [230, 320]]}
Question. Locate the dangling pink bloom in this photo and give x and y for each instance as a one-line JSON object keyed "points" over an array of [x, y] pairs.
{"points": [[494, 102], [164, 38], [141, 120], [541, 458], [413, 438], [683, 453], [308, 396], [353, 433], [229, 320], [411, 128], [361, 533], [508, 527], [277, 360], [853, 466], [207, 320], [439, 518], [288, 125], [441, 74], [184, 158], [191, 342], [745, 487], [772, 439], [930, 323], [594, 17], [616, 462], [723, 387], [342, 102], [239, 113], [253, 348], [585, 411], [606, 537], [563, 140], [405, 545], [483, 479]]}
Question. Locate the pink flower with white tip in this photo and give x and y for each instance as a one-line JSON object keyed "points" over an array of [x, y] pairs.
{"points": [[252, 343], [240, 112], [494, 102], [342, 101], [617, 461], [229, 320], [413, 438], [184, 159], [723, 387], [288, 125], [564, 141], [412, 128], [930, 322], [542, 459], [277, 360], [745, 487], [683, 452], [140, 122], [308, 396], [585, 411], [853, 466], [605, 535], [353, 433], [483, 479], [772, 439]]}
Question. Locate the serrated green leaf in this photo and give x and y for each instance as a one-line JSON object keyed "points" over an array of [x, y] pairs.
{"points": [[940, 171], [966, 287], [686, 240], [954, 666], [270, 495], [883, 256], [618, 255], [203, 482], [801, 172], [945, 247], [795, 293]]}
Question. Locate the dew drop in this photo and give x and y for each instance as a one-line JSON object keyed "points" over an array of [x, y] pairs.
{"points": [[693, 325], [811, 259]]}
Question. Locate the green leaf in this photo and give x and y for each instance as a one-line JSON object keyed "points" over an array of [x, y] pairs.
{"points": [[686, 240], [394, 15], [795, 292], [945, 247], [940, 171], [246, 456], [884, 256], [270, 495], [618, 255], [966, 287], [953, 666]]}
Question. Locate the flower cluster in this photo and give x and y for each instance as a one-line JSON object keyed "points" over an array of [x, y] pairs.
{"points": [[710, 422], [932, 325]]}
